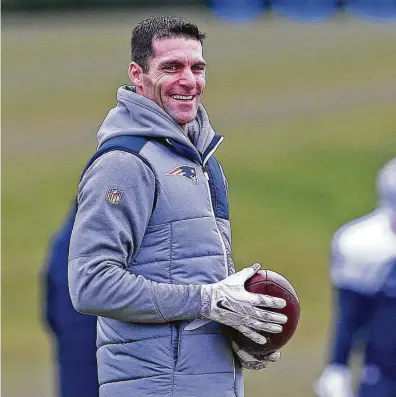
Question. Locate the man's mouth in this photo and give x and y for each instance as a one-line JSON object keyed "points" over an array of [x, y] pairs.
{"points": [[184, 98]]}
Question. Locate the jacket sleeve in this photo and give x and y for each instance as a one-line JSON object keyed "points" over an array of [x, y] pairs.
{"points": [[351, 307], [107, 236], [351, 312]]}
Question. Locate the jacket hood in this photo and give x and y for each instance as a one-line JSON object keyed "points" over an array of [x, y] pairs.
{"points": [[140, 116]]}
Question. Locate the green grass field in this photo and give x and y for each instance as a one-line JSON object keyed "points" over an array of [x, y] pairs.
{"points": [[309, 116]]}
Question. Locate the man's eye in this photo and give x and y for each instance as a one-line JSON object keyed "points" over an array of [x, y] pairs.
{"points": [[172, 68], [199, 69]]}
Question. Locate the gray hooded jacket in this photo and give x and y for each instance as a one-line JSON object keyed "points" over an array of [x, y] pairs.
{"points": [[150, 228]]}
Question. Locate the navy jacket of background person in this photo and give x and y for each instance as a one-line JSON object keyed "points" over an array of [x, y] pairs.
{"points": [[74, 334], [151, 228], [364, 274]]}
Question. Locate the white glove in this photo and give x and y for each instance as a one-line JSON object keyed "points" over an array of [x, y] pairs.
{"points": [[335, 381], [249, 361], [229, 303]]}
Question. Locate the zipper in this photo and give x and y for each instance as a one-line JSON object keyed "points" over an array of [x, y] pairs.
{"points": [[212, 150], [176, 344], [206, 174], [214, 217], [234, 370]]}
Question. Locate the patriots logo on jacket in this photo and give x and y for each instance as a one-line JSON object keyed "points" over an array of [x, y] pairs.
{"points": [[186, 171]]}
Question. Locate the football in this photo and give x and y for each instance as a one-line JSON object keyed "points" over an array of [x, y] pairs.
{"points": [[268, 282]]}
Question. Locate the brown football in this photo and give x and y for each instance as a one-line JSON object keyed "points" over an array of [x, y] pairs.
{"points": [[268, 282]]}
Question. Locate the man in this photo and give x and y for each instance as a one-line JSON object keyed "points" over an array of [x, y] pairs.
{"points": [[150, 252], [364, 275], [73, 334]]}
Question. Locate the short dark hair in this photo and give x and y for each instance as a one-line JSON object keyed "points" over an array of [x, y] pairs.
{"points": [[149, 29]]}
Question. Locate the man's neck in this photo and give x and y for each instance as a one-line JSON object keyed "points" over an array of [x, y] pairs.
{"points": [[184, 127]]}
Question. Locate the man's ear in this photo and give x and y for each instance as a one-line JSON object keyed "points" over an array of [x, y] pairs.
{"points": [[135, 73]]}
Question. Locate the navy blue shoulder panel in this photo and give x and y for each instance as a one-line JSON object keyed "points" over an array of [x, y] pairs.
{"points": [[127, 143], [218, 189]]}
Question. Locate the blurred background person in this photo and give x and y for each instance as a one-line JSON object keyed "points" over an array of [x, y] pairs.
{"points": [[364, 276], [73, 334]]}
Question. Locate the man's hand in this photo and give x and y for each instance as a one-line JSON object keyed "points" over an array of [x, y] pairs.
{"points": [[249, 361], [228, 302], [335, 381]]}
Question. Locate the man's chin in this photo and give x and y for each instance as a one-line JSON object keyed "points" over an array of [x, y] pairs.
{"points": [[184, 119]]}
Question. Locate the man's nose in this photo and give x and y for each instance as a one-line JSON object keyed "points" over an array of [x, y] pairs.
{"points": [[188, 79]]}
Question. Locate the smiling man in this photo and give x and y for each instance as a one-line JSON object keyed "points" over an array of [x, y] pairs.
{"points": [[150, 252], [175, 77]]}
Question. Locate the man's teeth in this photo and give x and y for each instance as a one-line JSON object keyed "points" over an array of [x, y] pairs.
{"points": [[182, 97]]}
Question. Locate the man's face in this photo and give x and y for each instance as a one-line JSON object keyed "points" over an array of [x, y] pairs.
{"points": [[176, 77]]}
